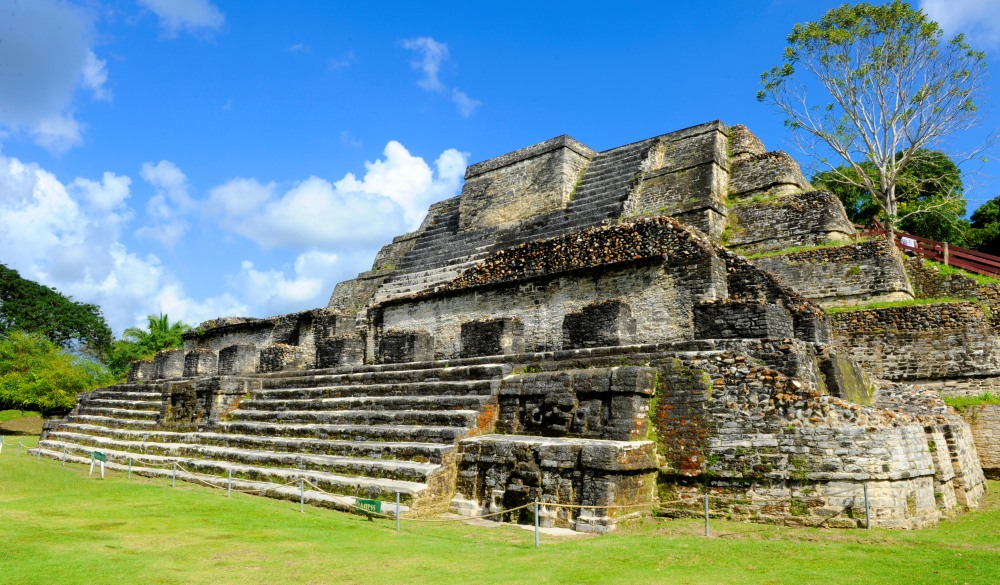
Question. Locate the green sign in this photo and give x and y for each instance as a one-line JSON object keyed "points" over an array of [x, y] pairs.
{"points": [[98, 456], [369, 505]]}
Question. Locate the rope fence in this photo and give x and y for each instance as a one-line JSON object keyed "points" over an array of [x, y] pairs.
{"points": [[175, 470]]}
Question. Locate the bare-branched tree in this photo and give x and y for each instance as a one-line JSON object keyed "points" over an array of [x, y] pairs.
{"points": [[891, 89]]}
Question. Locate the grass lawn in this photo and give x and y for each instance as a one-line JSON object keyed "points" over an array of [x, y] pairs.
{"points": [[61, 527]]}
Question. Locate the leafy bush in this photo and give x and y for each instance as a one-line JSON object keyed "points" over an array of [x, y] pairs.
{"points": [[36, 374]]}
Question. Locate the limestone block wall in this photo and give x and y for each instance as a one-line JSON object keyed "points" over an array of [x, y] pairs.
{"points": [[595, 403], [657, 267], [925, 343], [661, 308], [522, 184], [772, 449], [928, 282], [798, 219], [770, 173], [843, 275], [687, 178], [497, 473], [984, 420]]}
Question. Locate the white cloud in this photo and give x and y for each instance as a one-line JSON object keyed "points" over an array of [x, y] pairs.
{"points": [[57, 133], [431, 54], [185, 15], [350, 140], [95, 76], [278, 293], [45, 56], [978, 19], [169, 205], [466, 105], [68, 236], [392, 197], [345, 61]]}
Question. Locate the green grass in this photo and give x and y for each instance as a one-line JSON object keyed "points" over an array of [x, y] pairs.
{"points": [[6, 415], [60, 526], [947, 270], [796, 249], [906, 303], [961, 402]]}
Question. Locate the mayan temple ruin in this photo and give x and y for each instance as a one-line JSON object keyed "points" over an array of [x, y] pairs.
{"points": [[622, 331]]}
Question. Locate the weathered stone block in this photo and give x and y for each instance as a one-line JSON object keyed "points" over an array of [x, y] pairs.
{"points": [[595, 403], [502, 472], [238, 359], [799, 219], [396, 347], [774, 173], [328, 324], [522, 184], [920, 343], [722, 320], [492, 337], [344, 350], [169, 364], [200, 362], [743, 144], [842, 275], [282, 357], [141, 371], [601, 324]]}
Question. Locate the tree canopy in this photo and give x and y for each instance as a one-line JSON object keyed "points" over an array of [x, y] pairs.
{"points": [[883, 85], [37, 374], [929, 195], [28, 306]]}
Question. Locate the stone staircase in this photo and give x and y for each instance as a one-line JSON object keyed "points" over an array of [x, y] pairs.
{"points": [[370, 433], [443, 250]]}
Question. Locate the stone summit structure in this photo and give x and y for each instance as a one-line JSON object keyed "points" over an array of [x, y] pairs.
{"points": [[580, 328]]}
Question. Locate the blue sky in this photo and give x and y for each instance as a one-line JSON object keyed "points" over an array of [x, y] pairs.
{"points": [[208, 158]]}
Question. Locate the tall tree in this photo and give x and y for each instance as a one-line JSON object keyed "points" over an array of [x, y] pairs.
{"points": [[28, 306], [890, 85]]}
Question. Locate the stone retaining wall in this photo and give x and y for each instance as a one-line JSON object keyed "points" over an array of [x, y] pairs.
{"points": [[842, 275], [928, 282], [772, 449], [940, 341], [984, 419], [800, 219]]}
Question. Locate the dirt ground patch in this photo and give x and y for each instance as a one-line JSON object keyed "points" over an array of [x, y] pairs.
{"points": [[28, 425]]}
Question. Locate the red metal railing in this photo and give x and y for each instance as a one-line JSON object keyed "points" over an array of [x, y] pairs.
{"points": [[938, 251]]}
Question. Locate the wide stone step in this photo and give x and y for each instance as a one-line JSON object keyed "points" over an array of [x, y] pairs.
{"points": [[387, 468], [372, 449], [96, 410], [459, 418], [216, 473], [348, 432], [379, 376], [368, 403], [112, 422], [141, 405], [419, 389], [107, 394]]}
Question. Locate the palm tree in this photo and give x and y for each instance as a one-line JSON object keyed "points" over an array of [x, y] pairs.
{"points": [[161, 334]]}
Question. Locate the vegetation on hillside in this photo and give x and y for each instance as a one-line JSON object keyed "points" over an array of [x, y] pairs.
{"points": [[36, 374]]}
